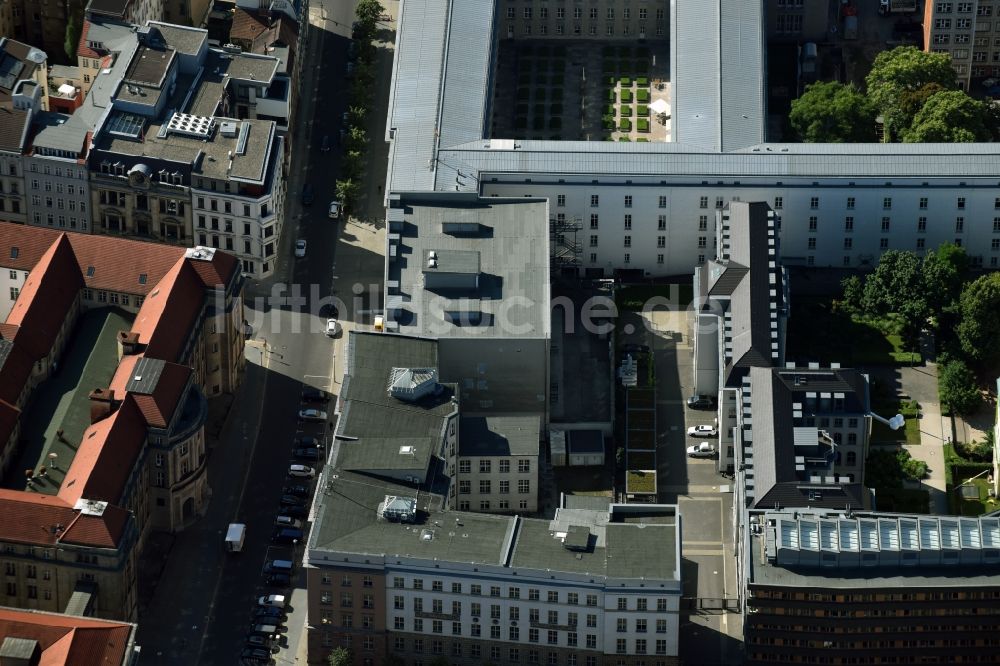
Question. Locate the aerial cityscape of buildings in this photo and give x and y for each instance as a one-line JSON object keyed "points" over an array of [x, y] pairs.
{"points": [[530, 382]]}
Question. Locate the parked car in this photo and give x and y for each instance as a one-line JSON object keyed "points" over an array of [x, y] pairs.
{"points": [[295, 511], [333, 212], [288, 521], [272, 601], [702, 431], [278, 580], [310, 394], [296, 489], [311, 414], [270, 612], [325, 145], [332, 327], [300, 248], [292, 500], [308, 442], [287, 535], [301, 471], [700, 402], [308, 454], [259, 642], [307, 195], [633, 348], [252, 654], [701, 450]]}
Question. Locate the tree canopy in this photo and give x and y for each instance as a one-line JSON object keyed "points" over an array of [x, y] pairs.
{"points": [[340, 657], [944, 273], [902, 70], [957, 387], [833, 112], [949, 116], [896, 284], [368, 13], [979, 327]]}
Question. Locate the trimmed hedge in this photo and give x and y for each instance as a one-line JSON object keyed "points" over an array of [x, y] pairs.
{"points": [[642, 95], [611, 96], [626, 111], [642, 125], [642, 81], [609, 110], [642, 110], [625, 125], [642, 139], [625, 81], [627, 96]]}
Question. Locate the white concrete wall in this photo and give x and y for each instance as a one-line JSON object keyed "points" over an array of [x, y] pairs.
{"points": [[10, 278]]}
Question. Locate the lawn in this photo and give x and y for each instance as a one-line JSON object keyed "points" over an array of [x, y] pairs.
{"points": [[642, 125], [967, 506], [820, 331], [910, 433], [640, 482]]}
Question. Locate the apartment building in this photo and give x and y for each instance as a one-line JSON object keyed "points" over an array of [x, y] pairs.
{"points": [[183, 177], [606, 19], [495, 468], [58, 185], [173, 322], [969, 32], [23, 94], [797, 20], [830, 587], [37, 637], [577, 590], [135, 12]]}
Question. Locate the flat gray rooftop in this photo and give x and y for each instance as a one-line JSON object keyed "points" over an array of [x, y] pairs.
{"points": [[509, 241], [482, 436]]}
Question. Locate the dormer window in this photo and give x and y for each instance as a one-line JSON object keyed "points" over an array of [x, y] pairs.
{"points": [[119, 169], [176, 178], [106, 167], [164, 176]]}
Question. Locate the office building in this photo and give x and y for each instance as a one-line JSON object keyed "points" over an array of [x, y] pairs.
{"points": [[967, 32], [607, 19], [157, 329], [828, 587]]}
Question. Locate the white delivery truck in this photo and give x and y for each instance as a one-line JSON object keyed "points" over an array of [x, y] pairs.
{"points": [[235, 535]]}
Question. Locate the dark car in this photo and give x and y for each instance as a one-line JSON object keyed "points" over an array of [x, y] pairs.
{"points": [[700, 402], [308, 442], [287, 535], [295, 511], [259, 642], [307, 195], [633, 348], [325, 145], [291, 500], [297, 489], [275, 614], [315, 395], [307, 454], [278, 580], [255, 655]]}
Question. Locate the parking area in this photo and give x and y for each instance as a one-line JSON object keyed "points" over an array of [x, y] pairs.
{"points": [[704, 496]]}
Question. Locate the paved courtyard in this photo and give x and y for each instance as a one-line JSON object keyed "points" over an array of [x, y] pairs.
{"points": [[573, 90]]}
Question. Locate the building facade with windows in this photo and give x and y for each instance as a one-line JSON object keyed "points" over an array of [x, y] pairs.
{"points": [[796, 20], [56, 175], [606, 19], [49, 637], [496, 465], [871, 588], [969, 32]]}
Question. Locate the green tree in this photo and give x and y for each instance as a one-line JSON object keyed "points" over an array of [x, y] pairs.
{"points": [[950, 116], [353, 164], [911, 101], [340, 657], [357, 138], [833, 112], [957, 387], [896, 284], [347, 192], [979, 325], [899, 71], [944, 271], [72, 35], [854, 290], [368, 13], [357, 114]]}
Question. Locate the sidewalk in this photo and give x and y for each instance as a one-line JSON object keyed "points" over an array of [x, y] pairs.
{"points": [[935, 431]]}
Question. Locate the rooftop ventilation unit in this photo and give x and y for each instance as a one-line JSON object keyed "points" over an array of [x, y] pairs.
{"points": [[90, 507], [398, 509], [412, 384], [432, 262], [200, 253], [186, 124], [229, 129]]}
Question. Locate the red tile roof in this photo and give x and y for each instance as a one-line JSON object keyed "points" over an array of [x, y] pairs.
{"points": [[177, 299], [22, 247], [119, 263], [29, 517], [218, 271], [104, 531], [107, 454], [46, 299], [82, 49], [247, 25], [159, 406], [69, 640]]}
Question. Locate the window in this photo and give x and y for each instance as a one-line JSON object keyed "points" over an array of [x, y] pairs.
{"points": [[464, 466], [628, 241], [523, 466], [702, 242], [960, 203], [484, 487], [661, 222], [812, 243], [662, 202], [883, 244], [592, 601], [813, 223], [659, 258], [661, 241], [848, 243], [628, 221], [719, 202], [885, 224], [779, 203], [484, 466], [561, 200], [814, 203], [595, 200], [622, 625], [959, 225], [532, 594], [628, 200], [850, 203], [921, 224], [594, 221], [886, 203], [703, 202], [504, 487]]}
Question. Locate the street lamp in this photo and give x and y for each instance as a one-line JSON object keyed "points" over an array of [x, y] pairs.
{"points": [[52, 460], [896, 422]]}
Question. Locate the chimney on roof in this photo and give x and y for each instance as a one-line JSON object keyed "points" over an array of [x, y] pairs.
{"points": [[102, 405], [20, 652], [128, 343]]}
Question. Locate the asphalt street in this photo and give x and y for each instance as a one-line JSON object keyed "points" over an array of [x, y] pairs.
{"points": [[203, 606]]}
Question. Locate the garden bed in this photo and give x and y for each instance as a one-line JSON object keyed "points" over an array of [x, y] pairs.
{"points": [[640, 482]]}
